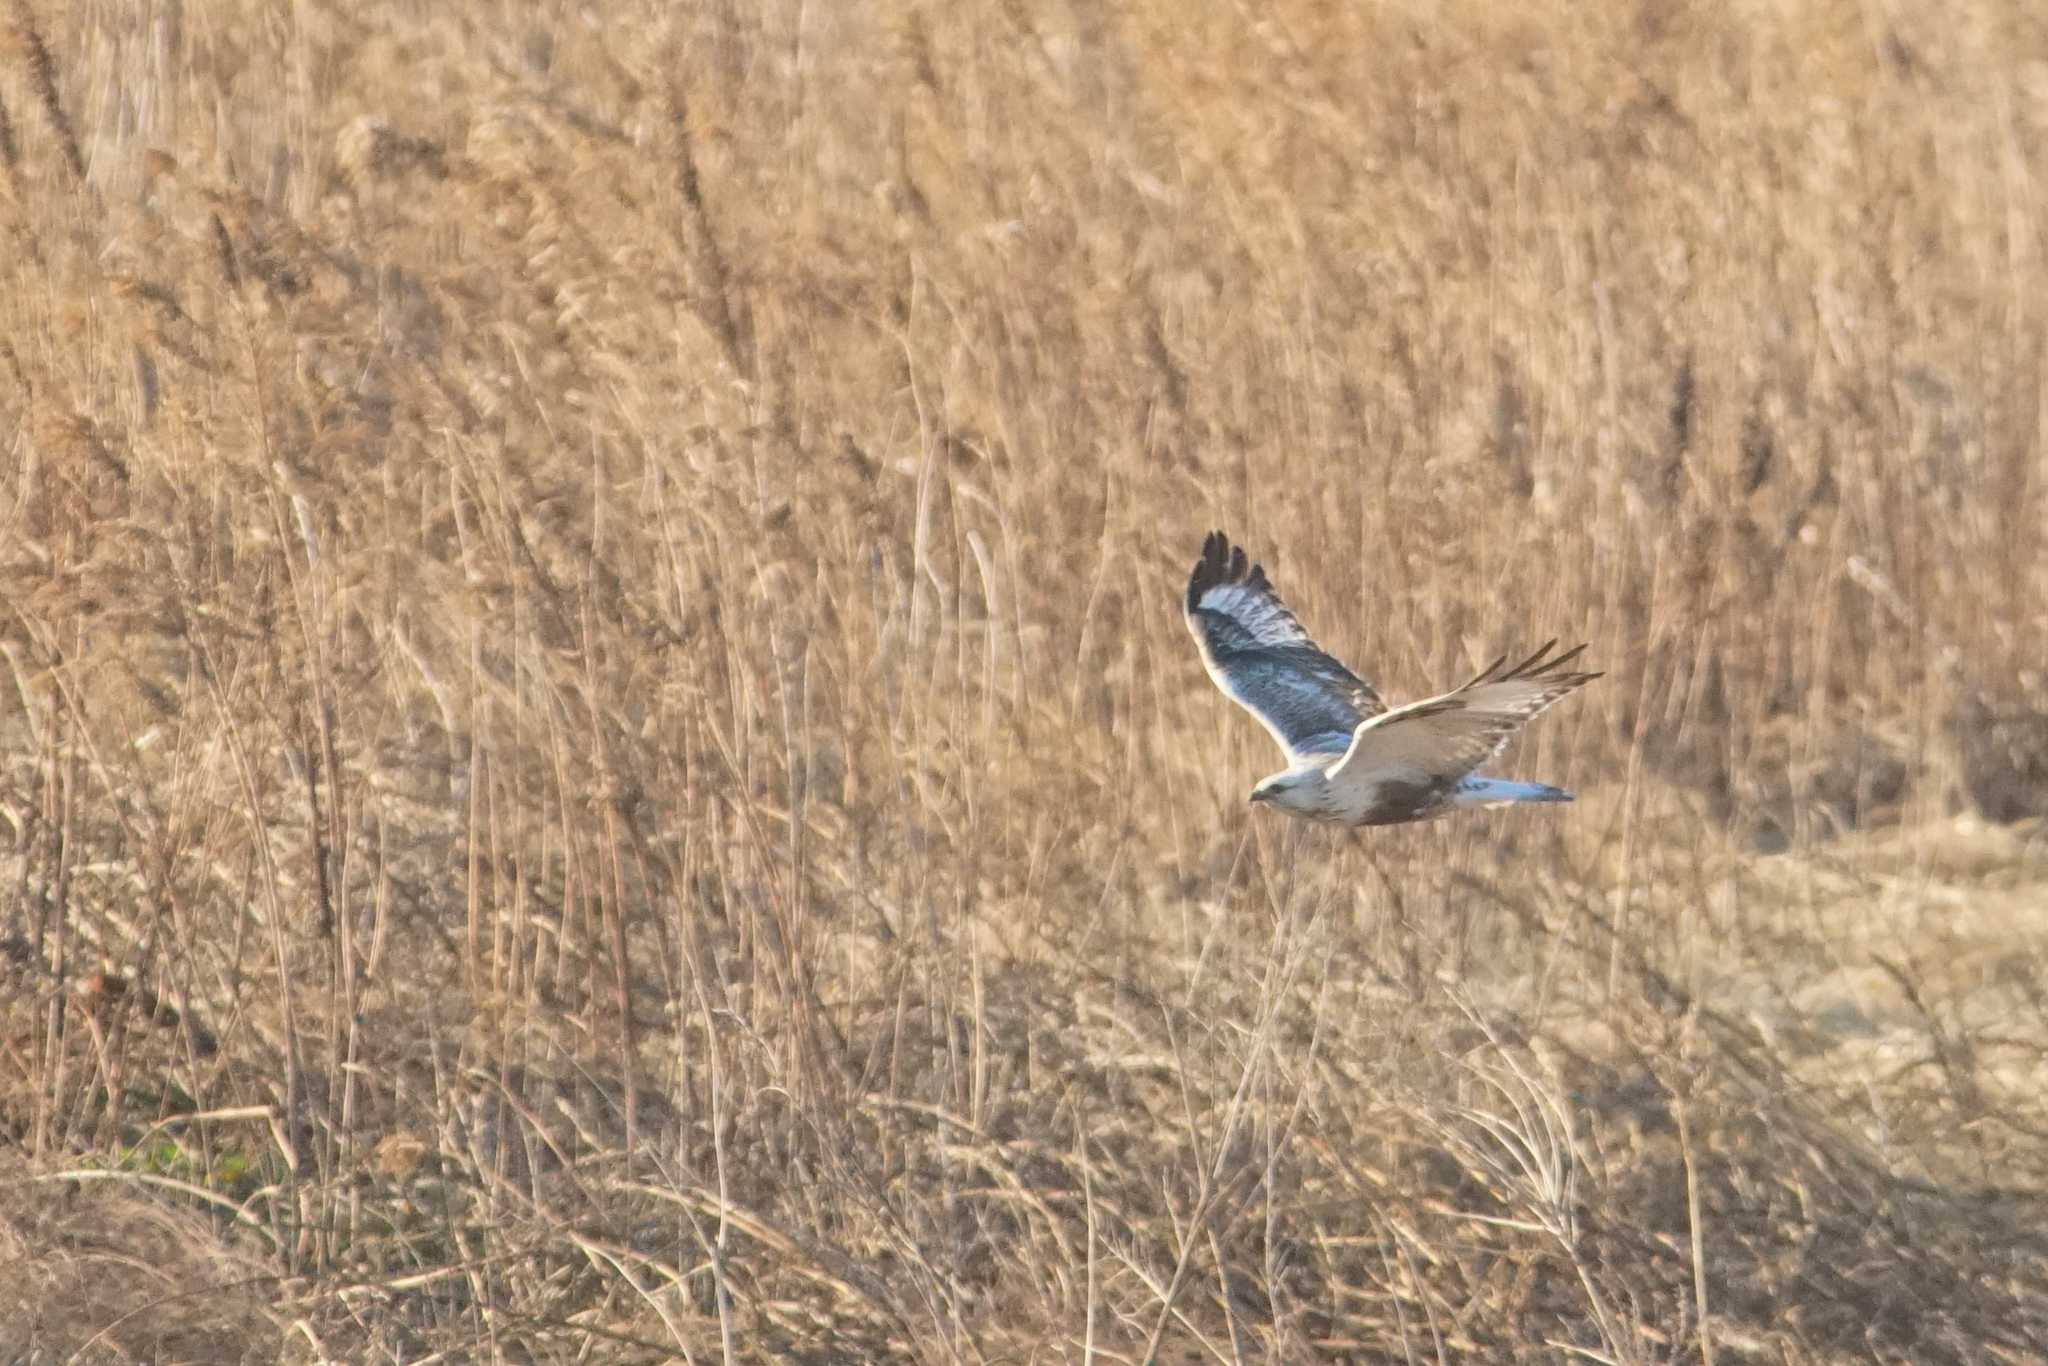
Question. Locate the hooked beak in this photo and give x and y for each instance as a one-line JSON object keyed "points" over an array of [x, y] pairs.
{"points": [[1260, 794]]}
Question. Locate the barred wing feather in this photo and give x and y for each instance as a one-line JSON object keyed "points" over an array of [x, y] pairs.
{"points": [[1442, 739], [1265, 662]]}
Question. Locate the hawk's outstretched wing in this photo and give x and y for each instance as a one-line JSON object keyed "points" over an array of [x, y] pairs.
{"points": [[1440, 740], [1262, 659]]}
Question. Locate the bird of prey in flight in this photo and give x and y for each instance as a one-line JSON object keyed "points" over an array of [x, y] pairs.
{"points": [[1352, 759]]}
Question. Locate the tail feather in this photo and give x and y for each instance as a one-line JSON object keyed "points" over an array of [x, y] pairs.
{"points": [[1500, 792]]}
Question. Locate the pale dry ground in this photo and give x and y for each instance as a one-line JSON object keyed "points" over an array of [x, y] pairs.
{"points": [[599, 762]]}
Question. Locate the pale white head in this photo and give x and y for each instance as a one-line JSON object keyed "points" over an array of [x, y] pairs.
{"points": [[1297, 789]]}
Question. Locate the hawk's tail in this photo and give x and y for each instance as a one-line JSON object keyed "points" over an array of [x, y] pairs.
{"points": [[1500, 792]]}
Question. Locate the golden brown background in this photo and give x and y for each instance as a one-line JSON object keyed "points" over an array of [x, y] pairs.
{"points": [[598, 759]]}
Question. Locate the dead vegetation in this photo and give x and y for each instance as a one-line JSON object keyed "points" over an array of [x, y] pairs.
{"points": [[599, 760]]}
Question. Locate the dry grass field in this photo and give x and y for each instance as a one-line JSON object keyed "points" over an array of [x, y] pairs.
{"points": [[598, 759]]}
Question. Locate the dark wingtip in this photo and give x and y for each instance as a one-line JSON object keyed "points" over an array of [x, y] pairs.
{"points": [[1489, 673], [1541, 665], [1221, 562], [1540, 662], [1554, 668]]}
